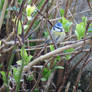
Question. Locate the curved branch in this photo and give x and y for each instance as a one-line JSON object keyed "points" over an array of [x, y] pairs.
{"points": [[57, 51]]}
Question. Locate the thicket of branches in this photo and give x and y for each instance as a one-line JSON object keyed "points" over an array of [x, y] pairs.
{"points": [[28, 63]]}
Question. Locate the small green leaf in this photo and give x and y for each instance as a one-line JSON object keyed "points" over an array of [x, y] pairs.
{"points": [[16, 73], [52, 47], [66, 24], [67, 57], [43, 79], [81, 28], [61, 12], [19, 62], [25, 27], [19, 28], [80, 31], [58, 58], [30, 57], [84, 19], [30, 10], [36, 90], [1, 4], [46, 73], [41, 3], [69, 50], [59, 67], [25, 56], [30, 77], [4, 76]]}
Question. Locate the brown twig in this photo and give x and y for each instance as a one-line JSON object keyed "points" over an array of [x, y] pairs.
{"points": [[3, 12], [66, 8], [88, 1]]}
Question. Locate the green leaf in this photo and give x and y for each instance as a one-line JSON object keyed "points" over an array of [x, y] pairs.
{"points": [[52, 47], [23, 51], [80, 31], [30, 57], [16, 73], [19, 1], [46, 73], [69, 50], [61, 12], [25, 56], [43, 79], [58, 58], [19, 62], [1, 4], [30, 77], [30, 10], [81, 28], [19, 28], [84, 19], [41, 3], [36, 90], [67, 57], [59, 67], [66, 24], [4, 76], [26, 27]]}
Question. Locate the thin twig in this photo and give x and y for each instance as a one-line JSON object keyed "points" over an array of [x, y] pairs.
{"points": [[3, 12]]}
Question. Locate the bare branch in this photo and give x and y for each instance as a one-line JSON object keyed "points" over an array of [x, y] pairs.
{"points": [[3, 12]]}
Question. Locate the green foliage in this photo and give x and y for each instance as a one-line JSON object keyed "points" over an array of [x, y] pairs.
{"points": [[52, 47], [19, 28], [4, 77], [1, 4], [46, 73], [66, 24], [30, 10], [36, 90], [25, 56], [62, 12], [81, 28], [56, 59], [59, 67], [40, 4], [45, 34], [67, 57], [30, 77], [20, 1], [16, 73]]}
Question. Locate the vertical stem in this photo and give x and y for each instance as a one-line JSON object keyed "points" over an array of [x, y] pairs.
{"points": [[20, 73]]}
